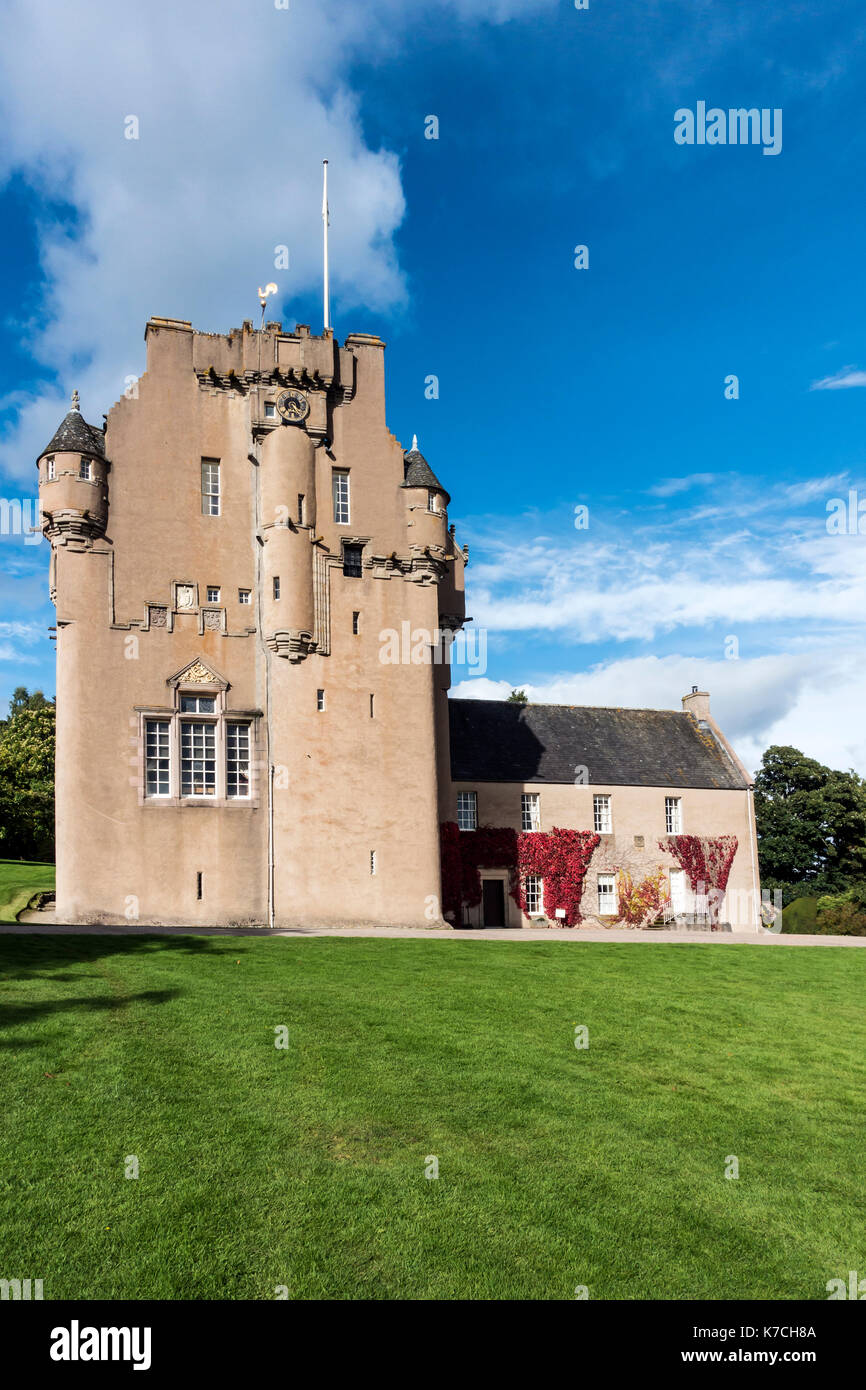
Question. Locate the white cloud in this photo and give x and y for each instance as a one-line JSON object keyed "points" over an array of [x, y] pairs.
{"points": [[670, 487], [812, 699], [844, 380], [792, 596], [236, 108]]}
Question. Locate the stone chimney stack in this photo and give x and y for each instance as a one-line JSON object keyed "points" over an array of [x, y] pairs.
{"points": [[697, 702]]}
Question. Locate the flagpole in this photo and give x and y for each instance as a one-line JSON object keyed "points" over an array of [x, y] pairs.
{"points": [[327, 287]]}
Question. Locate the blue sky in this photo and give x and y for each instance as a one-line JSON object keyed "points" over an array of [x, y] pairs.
{"points": [[707, 558]]}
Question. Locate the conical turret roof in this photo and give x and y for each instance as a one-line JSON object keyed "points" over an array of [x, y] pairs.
{"points": [[417, 471], [75, 436]]}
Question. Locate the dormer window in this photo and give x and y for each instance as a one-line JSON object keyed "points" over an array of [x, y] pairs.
{"points": [[85, 470]]}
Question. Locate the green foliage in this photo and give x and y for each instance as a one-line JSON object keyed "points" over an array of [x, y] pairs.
{"points": [[22, 699], [518, 697], [843, 914], [27, 778], [799, 917], [811, 824]]}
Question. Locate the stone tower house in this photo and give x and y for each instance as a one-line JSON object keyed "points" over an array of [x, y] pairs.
{"points": [[225, 556]]}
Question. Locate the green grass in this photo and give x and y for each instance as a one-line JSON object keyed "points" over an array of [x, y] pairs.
{"points": [[305, 1168], [19, 880]]}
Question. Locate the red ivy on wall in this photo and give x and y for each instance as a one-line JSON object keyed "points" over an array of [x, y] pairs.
{"points": [[560, 857], [707, 861]]}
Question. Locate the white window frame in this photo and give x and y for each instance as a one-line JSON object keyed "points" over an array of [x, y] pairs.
{"points": [[85, 470], [238, 760], [673, 815], [270, 410], [467, 810], [198, 762], [50, 470], [602, 814], [320, 701], [213, 593], [533, 892], [530, 810], [245, 597], [341, 496], [211, 490], [160, 730], [606, 895], [228, 743]]}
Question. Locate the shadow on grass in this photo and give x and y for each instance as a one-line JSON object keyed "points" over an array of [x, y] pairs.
{"points": [[13, 1015], [39, 957]]}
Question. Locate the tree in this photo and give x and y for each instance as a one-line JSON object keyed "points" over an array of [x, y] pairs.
{"points": [[811, 823], [27, 778], [22, 699], [518, 697]]}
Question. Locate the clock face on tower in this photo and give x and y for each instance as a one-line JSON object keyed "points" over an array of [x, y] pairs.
{"points": [[293, 406]]}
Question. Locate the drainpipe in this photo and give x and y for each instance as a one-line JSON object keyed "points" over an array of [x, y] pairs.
{"points": [[270, 832], [756, 892]]}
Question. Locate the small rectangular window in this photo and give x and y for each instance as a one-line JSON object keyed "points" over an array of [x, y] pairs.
{"points": [[602, 818], [245, 596], [530, 811], [352, 561], [320, 700], [356, 624], [467, 810], [432, 502], [197, 704], [49, 470], [237, 760], [301, 509], [673, 815], [198, 885], [210, 487], [607, 895], [197, 759], [372, 861], [372, 706], [270, 410], [532, 890], [276, 586], [213, 593], [85, 470], [340, 486], [157, 757]]}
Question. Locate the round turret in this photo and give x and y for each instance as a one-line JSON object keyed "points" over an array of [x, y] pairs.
{"points": [[426, 500], [73, 480]]}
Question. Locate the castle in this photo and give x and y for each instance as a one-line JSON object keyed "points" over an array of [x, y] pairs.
{"points": [[226, 556]]}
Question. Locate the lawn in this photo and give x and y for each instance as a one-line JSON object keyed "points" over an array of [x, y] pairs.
{"points": [[304, 1168], [19, 880]]}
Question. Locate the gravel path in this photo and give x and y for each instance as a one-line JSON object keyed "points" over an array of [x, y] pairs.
{"points": [[42, 923]]}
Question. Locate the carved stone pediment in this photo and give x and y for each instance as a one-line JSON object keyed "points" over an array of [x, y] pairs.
{"points": [[198, 672]]}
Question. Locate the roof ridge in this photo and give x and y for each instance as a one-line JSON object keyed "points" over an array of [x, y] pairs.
{"points": [[558, 704]]}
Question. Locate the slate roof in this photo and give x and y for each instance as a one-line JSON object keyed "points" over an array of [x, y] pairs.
{"points": [[418, 473], [493, 741], [75, 436]]}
